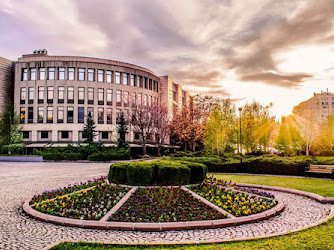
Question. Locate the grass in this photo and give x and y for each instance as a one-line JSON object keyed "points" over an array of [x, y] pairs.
{"points": [[320, 237], [317, 186]]}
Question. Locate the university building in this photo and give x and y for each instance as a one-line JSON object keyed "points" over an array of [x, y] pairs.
{"points": [[317, 108], [53, 95]]}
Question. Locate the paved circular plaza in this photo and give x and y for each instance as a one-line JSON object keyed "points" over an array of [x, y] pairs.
{"points": [[19, 181]]}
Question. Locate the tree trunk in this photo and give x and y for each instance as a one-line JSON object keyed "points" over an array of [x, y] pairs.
{"points": [[144, 149], [159, 150]]}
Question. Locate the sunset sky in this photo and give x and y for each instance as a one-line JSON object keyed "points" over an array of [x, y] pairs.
{"points": [[265, 50]]}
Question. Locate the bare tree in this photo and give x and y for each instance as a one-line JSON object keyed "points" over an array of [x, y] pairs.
{"points": [[142, 122], [161, 123]]}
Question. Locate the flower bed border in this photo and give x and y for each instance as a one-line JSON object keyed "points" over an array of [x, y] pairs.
{"points": [[163, 226]]}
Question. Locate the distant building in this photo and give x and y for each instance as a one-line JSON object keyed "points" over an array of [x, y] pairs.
{"points": [[319, 107], [53, 94]]}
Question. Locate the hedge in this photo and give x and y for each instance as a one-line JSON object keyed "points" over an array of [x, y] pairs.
{"points": [[119, 154], [157, 172]]}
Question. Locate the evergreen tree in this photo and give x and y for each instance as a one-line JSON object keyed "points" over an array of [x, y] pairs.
{"points": [[122, 130], [89, 131], [10, 128]]}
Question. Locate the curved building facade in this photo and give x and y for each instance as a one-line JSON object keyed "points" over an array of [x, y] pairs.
{"points": [[53, 95]]}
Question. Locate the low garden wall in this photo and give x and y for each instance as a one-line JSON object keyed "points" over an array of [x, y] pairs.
{"points": [[21, 158]]}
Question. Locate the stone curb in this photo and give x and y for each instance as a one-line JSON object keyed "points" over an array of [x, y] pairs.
{"points": [[312, 196], [165, 226]]}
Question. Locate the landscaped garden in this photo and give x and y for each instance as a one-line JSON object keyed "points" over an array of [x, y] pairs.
{"points": [[154, 201]]}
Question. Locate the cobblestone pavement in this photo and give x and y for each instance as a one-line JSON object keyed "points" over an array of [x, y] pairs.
{"points": [[19, 181]]}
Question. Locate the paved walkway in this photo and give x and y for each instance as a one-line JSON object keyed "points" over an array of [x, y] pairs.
{"points": [[20, 181]]}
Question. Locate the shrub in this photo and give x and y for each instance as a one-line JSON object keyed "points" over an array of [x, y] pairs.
{"points": [[139, 173], [157, 172], [111, 154], [172, 173], [198, 171], [117, 173]]}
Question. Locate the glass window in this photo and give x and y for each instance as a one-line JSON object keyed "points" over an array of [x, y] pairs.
{"points": [[42, 74], [118, 77], [100, 75], [71, 74], [109, 116], [40, 95], [60, 115], [100, 96], [70, 111], [51, 73], [31, 95], [30, 114], [126, 99], [109, 76], [40, 114], [132, 80], [104, 135], [23, 95], [91, 75], [145, 82], [49, 114], [25, 75], [138, 81], [50, 94], [22, 114], [61, 73], [150, 101], [109, 96], [118, 115], [145, 100], [70, 95], [118, 98], [140, 101], [100, 115], [65, 134], [61, 93], [134, 99], [81, 74], [125, 78], [44, 134], [33, 74], [91, 111], [90, 95], [81, 95], [81, 114], [26, 134]]}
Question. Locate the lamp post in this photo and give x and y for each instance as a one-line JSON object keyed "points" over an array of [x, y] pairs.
{"points": [[238, 140], [240, 109]]}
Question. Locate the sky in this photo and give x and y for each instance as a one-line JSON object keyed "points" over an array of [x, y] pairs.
{"points": [[264, 50]]}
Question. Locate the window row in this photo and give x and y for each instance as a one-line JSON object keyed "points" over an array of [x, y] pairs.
{"points": [[66, 135], [48, 115], [102, 75], [121, 98]]}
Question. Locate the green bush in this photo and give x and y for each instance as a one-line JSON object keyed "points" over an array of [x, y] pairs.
{"points": [[117, 173], [198, 171], [139, 173], [111, 154], [157, 172], [171, 173]]}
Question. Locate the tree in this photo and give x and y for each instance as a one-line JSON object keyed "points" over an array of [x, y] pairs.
{"points": [[257, 126], [289, 140], [187, 125], [122, 130], [324, 141], [142, 122], [219, 132], [10, 128], [89, 132], [161, 123]]}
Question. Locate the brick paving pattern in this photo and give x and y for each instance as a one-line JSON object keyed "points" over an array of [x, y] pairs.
{"points": [[19, 182]]}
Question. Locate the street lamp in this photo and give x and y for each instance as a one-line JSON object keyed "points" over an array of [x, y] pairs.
{"points": [[238, 140], [240, 109]]}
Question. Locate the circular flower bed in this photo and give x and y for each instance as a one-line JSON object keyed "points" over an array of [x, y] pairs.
{"points": [[101, 204]]}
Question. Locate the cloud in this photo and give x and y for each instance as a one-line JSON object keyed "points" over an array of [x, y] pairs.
{"points": [[281, 80], [253, 58]]}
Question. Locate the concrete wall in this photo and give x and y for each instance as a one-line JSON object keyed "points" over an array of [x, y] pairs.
{"points": [[6, 81]]}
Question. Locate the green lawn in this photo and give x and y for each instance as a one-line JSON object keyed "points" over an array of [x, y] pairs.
{"points": [[320, 237], [317, 186]]}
